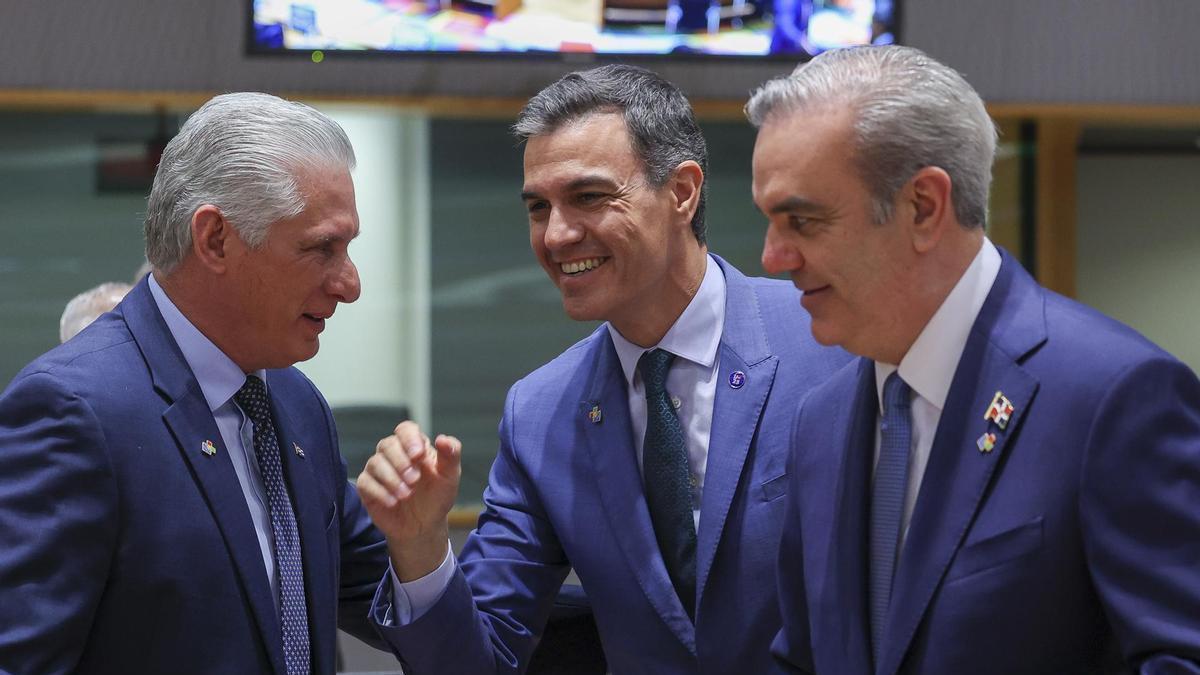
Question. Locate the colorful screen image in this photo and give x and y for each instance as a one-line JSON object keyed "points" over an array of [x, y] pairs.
{"points": [[720, 27]]}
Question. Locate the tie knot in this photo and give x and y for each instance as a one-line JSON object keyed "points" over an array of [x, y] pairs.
{"points": [[895, 393], [252, 397], [653, 366]]}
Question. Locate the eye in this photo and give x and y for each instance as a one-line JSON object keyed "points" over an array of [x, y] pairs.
{"points": [[798, 223], [537, 206], [586, 198]]}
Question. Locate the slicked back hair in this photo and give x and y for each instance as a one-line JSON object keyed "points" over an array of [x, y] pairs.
{"points": [[909, 112], [241, 153]]}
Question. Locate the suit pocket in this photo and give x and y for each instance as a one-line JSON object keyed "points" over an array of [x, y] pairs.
{"points": [[774, 488], [997, 549]]}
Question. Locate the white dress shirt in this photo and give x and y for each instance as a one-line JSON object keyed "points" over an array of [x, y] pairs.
{"points": [[692, 380], [928, 367], [219, 379]]}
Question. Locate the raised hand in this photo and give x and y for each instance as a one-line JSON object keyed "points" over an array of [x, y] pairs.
{"points": [[408, 487]]}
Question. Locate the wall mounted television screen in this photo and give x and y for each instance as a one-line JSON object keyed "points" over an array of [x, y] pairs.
{"points": [[784, 28]]}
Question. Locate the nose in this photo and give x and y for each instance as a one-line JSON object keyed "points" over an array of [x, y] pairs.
{"points": [[344, 283], [560, 232], [779, 255]]}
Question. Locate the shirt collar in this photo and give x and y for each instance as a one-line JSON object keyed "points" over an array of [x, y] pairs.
{"points": [[695, 334], [218, 376], [928, 367]]}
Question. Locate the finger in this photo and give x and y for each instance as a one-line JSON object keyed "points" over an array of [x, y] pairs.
{"points": [[411, 438], [372, 492], [449, 455], [383, 469]]}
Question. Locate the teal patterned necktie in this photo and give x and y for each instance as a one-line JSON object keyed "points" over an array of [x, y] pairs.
{"points": [[667, 476]]}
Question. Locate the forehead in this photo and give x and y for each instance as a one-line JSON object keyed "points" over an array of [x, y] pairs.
{"points": [[798, 148], [597, 144]]}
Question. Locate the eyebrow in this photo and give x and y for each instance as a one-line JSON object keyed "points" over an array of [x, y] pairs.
{"points": [[796, 203], [577, 184]]}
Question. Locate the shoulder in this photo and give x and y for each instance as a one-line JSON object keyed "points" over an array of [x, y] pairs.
{"points": [[101, 362]]}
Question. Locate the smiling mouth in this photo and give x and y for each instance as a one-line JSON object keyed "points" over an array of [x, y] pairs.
{"points": [[318, 320], [578, 267]]}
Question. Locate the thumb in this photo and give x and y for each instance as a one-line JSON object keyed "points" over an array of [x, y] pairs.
{"points": [[449, 454]]}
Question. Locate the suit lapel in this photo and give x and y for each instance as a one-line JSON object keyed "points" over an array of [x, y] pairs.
{"points": [[191, 423], [736, 413], [308, 504], [604, 418], [1010, 325], [846, 564]]}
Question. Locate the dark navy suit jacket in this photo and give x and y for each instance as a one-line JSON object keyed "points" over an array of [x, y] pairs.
{"points": [[566, 491], [126, 549], [1071, 547]]}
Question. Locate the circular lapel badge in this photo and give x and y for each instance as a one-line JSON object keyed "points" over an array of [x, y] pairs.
{"points": [[736, 379]]}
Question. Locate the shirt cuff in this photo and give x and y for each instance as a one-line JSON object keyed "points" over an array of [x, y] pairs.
{"points": [[410, 600]]}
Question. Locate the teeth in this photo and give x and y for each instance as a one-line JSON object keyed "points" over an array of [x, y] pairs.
{"points": [[581, 265]]}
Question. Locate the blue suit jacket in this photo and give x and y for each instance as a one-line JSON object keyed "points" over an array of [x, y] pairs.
{"points": [[126, 549], [566, 491], [1072, 545]]}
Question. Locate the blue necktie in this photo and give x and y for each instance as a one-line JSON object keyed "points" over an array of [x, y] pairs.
{"points": [[887, 501], [667, 475], [293, 612]]}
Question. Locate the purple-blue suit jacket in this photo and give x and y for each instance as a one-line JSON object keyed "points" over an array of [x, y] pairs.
{"points": [[1072, 546], [565, 491], [124, 548]]}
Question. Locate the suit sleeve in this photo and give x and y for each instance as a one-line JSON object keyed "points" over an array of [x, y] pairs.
{"points": [[1140, 511], [58, 525], [489, 618], [792, 645]]}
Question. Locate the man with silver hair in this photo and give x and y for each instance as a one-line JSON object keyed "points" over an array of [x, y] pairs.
{"points": [[86, 307], [1006, 481], [173, 497]]}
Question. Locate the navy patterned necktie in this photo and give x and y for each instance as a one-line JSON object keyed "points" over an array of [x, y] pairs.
{"points": [[887, 501], [667, 476], [289, 566]]}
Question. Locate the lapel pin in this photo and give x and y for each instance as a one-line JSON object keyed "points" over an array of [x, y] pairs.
{"points": [[595, 415], [1000, 411], [298, 449], [675, 402], [736, 379], [208, 448], [986, 442]]}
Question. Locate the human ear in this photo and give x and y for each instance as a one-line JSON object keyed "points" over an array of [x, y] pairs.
{"points": [[929, 195], [212, 237], [685, 186]]}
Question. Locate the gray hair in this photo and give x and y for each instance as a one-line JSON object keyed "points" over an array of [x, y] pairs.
{"points": [[910, 112], [86, 307], [241, 153], [657, 115]]}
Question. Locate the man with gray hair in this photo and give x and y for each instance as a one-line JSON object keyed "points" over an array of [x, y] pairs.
{"points": [[86, 307], [173, 497], [649, 456], [1006, 481]]}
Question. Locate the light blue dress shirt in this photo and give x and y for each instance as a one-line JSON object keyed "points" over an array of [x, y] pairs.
{"points": [[219, 379]]}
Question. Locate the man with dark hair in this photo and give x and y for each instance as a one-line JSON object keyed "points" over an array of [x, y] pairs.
{"points": [[173, 500], [1006, 481], [649, 456]]}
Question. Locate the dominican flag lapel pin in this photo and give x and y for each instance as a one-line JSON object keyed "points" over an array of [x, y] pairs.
{"points": [[1000, 411]]}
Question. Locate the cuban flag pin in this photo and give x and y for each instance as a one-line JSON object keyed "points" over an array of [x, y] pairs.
{"points": [[299, 451], [595, 415]]}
